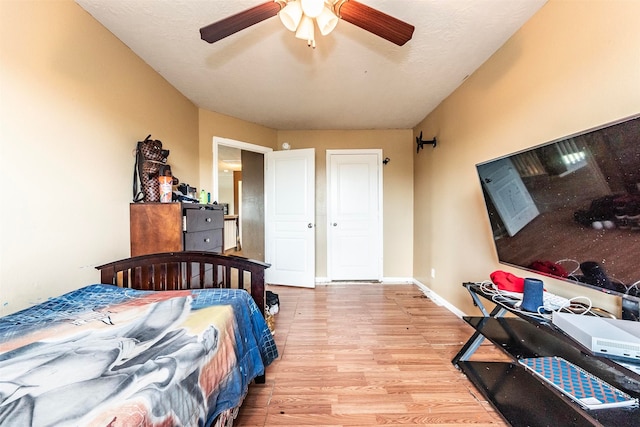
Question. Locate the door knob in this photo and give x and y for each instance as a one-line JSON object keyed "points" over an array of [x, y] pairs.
{"points": [[335, 224], [309, 225]]}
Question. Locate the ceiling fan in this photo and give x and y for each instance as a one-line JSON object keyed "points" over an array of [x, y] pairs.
{"points": [[299, 15]]}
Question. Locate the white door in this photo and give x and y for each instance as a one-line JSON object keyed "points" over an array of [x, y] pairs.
{"points": [[354, 211], [508, 194], [290, 217]]}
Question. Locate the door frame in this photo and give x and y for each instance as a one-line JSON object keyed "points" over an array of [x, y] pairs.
{"points": [[217, 140], [380, 225]]}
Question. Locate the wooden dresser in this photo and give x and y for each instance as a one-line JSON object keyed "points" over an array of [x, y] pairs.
{"points": [[170, 227]]}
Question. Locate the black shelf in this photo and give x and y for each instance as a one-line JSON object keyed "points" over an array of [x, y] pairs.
{"points": [[524, 401], [521, 398]]}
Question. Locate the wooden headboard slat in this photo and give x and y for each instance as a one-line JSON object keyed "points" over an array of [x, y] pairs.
{"points": [[241, 279], [187, 270], [227, 276]]}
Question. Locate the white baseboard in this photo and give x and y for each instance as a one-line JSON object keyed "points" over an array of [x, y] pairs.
{"points": [[438, 299], [324, 281], [397, 280], [385, 281]]}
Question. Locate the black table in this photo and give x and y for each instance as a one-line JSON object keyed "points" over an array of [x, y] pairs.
{"points": [[520, 397]]}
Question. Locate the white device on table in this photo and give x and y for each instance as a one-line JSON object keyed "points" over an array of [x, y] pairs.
{"points": [[607, 337]]}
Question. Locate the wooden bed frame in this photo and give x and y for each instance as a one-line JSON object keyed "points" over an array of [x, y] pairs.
{"points": [[187, 270], [173, 271]]}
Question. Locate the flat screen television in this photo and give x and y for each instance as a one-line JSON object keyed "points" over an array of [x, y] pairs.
{"points": [[570, 209]]}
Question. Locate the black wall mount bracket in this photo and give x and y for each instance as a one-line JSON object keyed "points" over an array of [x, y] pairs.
{"points": [[420, 142]]}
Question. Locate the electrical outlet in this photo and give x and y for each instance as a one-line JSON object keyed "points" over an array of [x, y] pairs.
{"points": [[433, 273]]}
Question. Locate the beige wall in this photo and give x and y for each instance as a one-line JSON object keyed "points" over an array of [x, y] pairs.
{"points": [[573, 66], [74, 101], [397, 188]]}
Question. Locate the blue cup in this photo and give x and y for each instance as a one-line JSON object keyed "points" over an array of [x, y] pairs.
{"points": [[532, 299]]}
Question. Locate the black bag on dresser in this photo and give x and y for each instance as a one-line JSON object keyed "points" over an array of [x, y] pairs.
{"points": [[151, 162]]}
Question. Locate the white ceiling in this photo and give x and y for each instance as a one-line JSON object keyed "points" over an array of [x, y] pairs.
{"points": [[352, 80]]}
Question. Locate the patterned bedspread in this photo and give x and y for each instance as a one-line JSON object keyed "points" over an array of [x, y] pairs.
{"points": [[108, 356]]}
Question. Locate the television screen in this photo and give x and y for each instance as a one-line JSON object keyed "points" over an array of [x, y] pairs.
{"points": [[570, 208]]}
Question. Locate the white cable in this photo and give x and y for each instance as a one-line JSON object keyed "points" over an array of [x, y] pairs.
{"points": [[545, 315], [575, 270], [633, 285], [589, 303], [487, 286], [497, 295], [502, 297]]}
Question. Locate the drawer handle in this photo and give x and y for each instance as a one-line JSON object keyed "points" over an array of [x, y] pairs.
{"points": [[207, 240], [208, 219]]}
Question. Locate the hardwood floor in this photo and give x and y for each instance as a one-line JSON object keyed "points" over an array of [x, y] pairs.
{"points": [[366, 355]]}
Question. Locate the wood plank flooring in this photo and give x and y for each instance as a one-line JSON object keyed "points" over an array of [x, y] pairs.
{"points": [[366, 355]]}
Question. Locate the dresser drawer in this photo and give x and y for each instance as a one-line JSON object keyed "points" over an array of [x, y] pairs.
{"points": [[203, 219], [210, 241]]}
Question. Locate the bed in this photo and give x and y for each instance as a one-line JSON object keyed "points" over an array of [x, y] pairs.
{"points": [[165, 340]]}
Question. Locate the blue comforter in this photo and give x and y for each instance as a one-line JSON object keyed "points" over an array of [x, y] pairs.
{"points": [[103, 355]]}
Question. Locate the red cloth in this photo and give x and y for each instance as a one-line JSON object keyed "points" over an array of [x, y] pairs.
{"points": [[548, 267], [507, 281]]}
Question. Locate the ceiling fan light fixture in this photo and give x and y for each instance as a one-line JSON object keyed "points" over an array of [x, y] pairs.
{"points": [[291, 14], [305, 31], [312, 8], [326, 21]]}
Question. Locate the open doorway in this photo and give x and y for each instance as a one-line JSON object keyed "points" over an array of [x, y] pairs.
{"points": [[241, 190], [229, 179]]}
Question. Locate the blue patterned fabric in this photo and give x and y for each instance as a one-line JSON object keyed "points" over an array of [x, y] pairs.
{"points": [[164, 356]]}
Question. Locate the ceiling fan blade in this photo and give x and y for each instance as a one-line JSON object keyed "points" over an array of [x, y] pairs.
{"points": [[376, 22], [231, 25]]}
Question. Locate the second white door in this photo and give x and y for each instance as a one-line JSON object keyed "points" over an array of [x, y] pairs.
{"points": [[354, 199]]}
